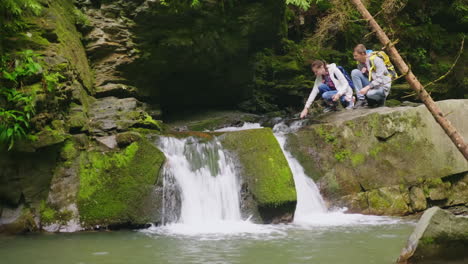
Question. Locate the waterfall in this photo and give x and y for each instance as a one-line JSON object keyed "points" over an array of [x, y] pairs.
{"points": [[309, 200], [204, 178], [201, 190]]}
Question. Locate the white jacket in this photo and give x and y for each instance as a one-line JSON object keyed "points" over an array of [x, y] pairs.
{"points": [[341, 84]]}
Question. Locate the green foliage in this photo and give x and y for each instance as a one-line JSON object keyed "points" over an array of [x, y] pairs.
{"points": [[80, 17], [304, 4], [280, 78], [429, 34], [221, 41], [460, 9], [17, 105], [12, 13], [23, 65], [51, 80]]}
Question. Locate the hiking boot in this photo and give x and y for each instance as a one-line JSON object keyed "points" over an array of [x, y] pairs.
{"points": [[351, 104], [360, 103], [375, 103]]}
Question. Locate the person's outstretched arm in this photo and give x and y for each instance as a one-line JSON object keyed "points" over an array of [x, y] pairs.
{"points": [[312, 96]]}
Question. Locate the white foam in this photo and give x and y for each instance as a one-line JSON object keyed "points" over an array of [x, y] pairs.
{"points": [[220, 227], [339, 218]]}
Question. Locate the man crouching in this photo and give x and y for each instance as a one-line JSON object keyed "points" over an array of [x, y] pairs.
{"points": [[372, 80]]}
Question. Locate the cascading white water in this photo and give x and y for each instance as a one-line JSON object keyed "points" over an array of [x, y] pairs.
{"points": [[309, 200], [207, 188], [208, 185], [310, 208]]}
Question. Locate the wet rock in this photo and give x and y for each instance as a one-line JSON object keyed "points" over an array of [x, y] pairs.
{"points": [[355, 203], [439, 237], [59, 212], [111, 10], [109, 141], [81, 141], [113, 185], [17, 220], [49, 138], [112, 113], [459, 191], [10, 186], [264, 171], [418, 199], [127, 138], [45, 138], [117, 90], [78, 94], [77, 120], [101, 50], [110, 47], [209, 120], [389, 201]]}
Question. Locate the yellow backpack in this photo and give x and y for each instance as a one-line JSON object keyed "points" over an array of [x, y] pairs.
{"points": [[381, 54]]}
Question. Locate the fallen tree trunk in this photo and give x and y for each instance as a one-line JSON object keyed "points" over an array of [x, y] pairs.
{"points": [[413, 81]]}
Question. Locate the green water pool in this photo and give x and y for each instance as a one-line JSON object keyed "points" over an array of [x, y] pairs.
{"points": [[377, 243]]}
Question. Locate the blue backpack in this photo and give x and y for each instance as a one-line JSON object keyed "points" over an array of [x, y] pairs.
{"points": [[346, 75]]}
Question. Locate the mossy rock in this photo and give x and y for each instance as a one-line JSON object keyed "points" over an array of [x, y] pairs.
{"points": [[50, 215], [114, 184], [44, 138], [209, 120], [388, 201], [126, 138], [22, 220], [264, 167], [77, 120], [61, 20], [439, 237], [371, 149]]}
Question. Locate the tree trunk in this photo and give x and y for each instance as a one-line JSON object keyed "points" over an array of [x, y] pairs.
{"points": [[449, 129]]}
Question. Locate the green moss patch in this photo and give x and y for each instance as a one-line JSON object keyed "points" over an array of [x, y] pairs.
{"points": [[113, 185]]}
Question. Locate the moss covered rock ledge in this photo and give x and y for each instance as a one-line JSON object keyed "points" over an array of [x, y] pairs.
{"points": [[114, 185], [268, 185], [391, 161]]}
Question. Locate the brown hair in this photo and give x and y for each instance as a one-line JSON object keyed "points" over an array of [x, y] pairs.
{"points": [[318, 64], [360, 49]]}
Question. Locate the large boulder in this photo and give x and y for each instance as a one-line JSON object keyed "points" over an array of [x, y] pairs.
{"points": [[265, 172], [114, 186], [385, 160], [439, 237]]}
